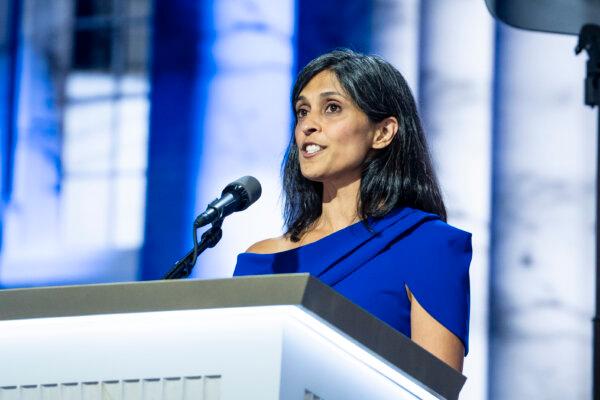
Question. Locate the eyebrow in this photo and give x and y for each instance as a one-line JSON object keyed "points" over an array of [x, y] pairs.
{"points": [[324, 94]]}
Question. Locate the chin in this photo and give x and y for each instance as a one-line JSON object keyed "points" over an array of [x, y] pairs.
{"points": [[338, 179], [312, 175], [313, 178]]}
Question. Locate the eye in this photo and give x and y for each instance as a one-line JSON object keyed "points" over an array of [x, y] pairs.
{"points": [[332, 108], [301, 112]]}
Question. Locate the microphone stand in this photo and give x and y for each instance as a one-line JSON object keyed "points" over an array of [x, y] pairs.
{"points": [[589, 40], [210, 238]]}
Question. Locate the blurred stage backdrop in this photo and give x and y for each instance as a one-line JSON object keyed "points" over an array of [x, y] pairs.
{"points": [[121, 119]]}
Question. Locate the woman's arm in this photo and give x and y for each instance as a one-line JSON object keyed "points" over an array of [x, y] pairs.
{"points": [[434, 337]]}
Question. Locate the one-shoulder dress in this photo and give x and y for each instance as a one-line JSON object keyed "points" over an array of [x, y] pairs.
{"points": [[407, 248]]}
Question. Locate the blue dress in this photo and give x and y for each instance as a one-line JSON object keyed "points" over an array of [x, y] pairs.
{"points": [[408, 247]]}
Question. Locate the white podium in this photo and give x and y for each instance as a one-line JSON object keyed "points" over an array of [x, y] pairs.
{"points": [[271, 337]]}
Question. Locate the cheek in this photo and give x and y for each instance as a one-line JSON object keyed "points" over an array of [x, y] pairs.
{"points": [[354, 156], [355, 142], [297, 135]]}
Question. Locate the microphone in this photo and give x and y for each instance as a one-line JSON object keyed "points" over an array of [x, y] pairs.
{"points": [[237, 196]]}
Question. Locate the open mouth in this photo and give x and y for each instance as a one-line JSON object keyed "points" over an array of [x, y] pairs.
{"points": [[310, 149]]}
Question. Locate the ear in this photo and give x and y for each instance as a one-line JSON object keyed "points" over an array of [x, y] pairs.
{"points": [[385, 132]]}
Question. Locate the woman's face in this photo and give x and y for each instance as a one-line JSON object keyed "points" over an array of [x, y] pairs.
{"points": [[332, 134]]}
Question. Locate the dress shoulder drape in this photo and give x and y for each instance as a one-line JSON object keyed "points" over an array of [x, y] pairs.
{"points": [[373, 266]]}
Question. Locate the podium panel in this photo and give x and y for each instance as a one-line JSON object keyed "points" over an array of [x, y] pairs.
{"points": [[284, 337]]}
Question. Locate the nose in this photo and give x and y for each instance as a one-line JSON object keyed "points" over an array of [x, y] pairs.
{"points": [[308, 126]]}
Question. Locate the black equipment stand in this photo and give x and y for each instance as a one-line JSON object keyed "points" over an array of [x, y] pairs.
{"points": [[589, 40], [210, 238]]}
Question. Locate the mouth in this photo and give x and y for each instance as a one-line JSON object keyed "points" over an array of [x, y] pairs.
{"points": [[311, 149]]}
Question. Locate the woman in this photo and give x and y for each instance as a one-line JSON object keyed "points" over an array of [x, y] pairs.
{"points": [[363, 210]]}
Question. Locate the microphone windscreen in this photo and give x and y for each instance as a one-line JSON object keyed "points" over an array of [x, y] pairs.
{"points": [[248, 187]]}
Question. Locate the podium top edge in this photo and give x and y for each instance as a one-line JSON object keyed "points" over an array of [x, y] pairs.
{"points": [[150, 296]]}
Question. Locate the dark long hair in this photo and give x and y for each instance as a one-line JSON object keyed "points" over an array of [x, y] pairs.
{"points": [[401, 174]]}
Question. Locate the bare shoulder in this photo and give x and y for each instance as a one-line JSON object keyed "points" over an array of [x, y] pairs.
{"points": [[272, 245]]}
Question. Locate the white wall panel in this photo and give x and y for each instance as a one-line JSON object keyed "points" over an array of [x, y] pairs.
{"points": [[456, 63], [544, 221]]}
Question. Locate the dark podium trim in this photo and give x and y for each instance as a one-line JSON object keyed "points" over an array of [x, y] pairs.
{"points": [[267, 290]]}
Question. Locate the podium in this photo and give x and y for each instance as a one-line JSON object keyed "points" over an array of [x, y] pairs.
{"points": [[286, 337]]}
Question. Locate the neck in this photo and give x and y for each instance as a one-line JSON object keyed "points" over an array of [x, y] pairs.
{"points": [[340, 205]]}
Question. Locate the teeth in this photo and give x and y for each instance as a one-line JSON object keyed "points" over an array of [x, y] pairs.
{"points": [[312, 148]]}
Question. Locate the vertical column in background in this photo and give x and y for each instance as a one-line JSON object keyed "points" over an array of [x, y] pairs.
{"points": [[178, 77], [455, 102], [31, 218], [396, 36], [8, 29], [543, 206], [326, 25], [247, 120]]}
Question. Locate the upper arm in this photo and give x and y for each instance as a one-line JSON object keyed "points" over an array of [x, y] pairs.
{"points": [[438, 284], [435, 337], [438, 278]]}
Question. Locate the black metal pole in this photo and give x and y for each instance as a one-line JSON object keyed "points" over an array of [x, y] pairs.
{"points": [[596, 319], [589, 40]]}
